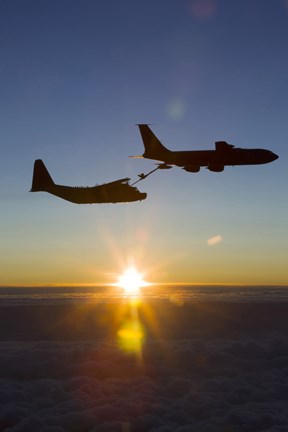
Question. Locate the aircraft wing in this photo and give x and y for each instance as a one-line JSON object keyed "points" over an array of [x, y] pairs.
{"points": [[120, 181]]}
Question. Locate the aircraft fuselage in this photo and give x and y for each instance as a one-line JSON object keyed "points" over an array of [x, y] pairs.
{"points": [[97, 194], [215, 160], [113, 192], [206, 158]]}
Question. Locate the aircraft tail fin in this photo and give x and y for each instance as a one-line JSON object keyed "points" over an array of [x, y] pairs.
{"points": [[41, 178], [154, 149]]}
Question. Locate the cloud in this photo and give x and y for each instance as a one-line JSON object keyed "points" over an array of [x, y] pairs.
{"points": [[212, 241], [204, 384], [205, 367]]}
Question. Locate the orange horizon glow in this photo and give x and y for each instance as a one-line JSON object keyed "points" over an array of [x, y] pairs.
{"points": [[151, 284]]}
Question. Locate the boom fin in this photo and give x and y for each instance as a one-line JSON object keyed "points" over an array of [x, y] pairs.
{"points": [[154, 149], [41, 178]]}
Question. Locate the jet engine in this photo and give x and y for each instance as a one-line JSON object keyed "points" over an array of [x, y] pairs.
{"points": [[190, 168], [216, 168]]}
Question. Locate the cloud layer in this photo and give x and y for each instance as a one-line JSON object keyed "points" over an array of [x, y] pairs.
{"points": [[204, 382]]}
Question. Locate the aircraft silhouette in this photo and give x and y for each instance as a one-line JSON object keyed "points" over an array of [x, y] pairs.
{"points": [[191, 161], [116, 191]]}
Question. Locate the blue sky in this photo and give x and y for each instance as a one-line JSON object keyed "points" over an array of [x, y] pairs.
{"points": [[75, 77]]}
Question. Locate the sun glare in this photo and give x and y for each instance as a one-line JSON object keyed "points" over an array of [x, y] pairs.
{"points": [[131, 281]]}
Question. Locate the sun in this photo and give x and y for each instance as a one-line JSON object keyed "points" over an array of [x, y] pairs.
{"points": [[131, 281]]}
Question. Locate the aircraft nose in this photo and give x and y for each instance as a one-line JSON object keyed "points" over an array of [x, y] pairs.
{"points": [[274, 156]]}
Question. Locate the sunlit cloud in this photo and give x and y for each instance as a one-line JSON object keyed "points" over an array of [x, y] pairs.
{"points": [[203, 9], [212, 241]]}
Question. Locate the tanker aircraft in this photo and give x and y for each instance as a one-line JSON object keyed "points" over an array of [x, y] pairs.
{"points": [[191, 161], [116, 191]]}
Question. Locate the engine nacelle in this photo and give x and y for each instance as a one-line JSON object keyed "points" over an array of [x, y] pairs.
{"points": [[190, 168], [216, 168]]}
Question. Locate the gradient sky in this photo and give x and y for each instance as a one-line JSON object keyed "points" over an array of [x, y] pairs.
{"points": [[75, 77]]}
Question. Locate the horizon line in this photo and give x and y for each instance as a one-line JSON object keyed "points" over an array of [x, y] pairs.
{"points": [[150, 284]]}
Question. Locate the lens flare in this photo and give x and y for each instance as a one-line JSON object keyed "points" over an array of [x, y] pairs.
{"points": [[131, 336]]}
